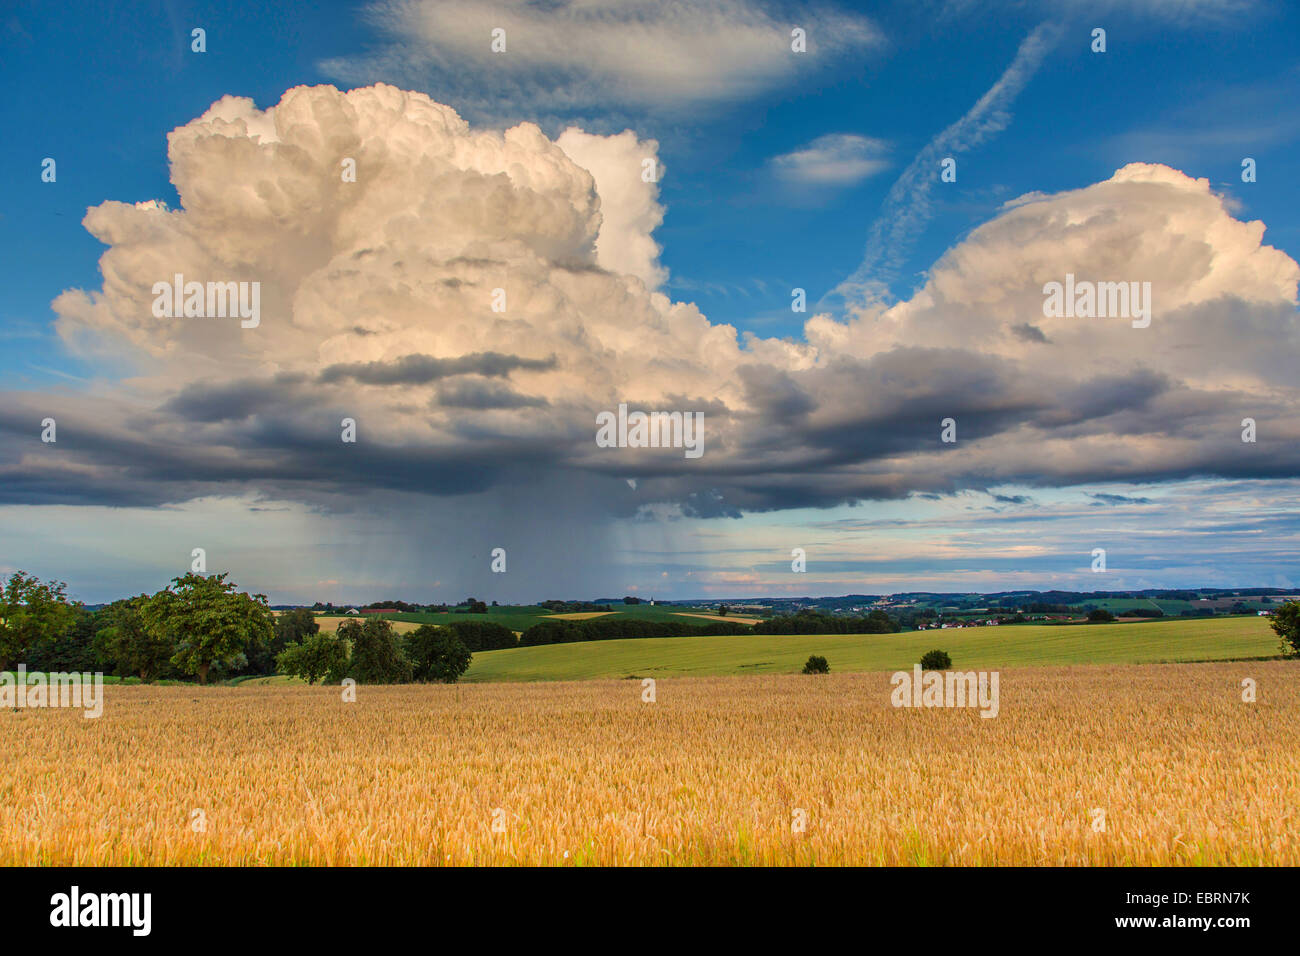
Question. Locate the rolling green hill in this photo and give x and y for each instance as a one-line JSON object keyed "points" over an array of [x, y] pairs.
{"points": [[982, 648], [1118, 605], [522, 617]]}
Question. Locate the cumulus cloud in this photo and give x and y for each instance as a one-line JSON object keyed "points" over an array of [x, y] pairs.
{"points": [[377, 304], [422, 369], [569, 57], [836, 159], [629, 204]]}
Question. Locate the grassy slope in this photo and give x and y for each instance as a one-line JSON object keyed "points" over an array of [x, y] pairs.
{"points": [[522, 617], [986, 647], [1170, 607]]}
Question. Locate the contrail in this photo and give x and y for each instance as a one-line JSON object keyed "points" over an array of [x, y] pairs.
{"points": [[907, 208]]}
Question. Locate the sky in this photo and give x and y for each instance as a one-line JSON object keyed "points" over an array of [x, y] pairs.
{"points": [[725, 209]]}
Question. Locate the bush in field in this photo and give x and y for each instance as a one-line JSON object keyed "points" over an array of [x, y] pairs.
{"points": [[377, 656], [816, 665], [438, 654], [936, 661], [317, 657], [1286, 624], [1100, 615], [483, 635]]}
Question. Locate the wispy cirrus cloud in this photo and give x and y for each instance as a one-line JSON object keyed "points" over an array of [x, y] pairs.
{"points": [[577, 58]]}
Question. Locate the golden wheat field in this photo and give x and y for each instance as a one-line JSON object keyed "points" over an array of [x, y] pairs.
{"points": [[715, 771], [331, 623]]}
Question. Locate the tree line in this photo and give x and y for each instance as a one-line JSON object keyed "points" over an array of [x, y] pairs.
{"points": [[612, 628], [201, 627]]}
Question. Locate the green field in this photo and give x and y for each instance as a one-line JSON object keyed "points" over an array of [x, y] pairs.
{"points": [[522, 617], [1227, 638], [1118, 605]]}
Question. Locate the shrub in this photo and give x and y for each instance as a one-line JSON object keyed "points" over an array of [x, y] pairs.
{"points": [[816, 665], [936, 661], [1099, 615], [437, 654]]}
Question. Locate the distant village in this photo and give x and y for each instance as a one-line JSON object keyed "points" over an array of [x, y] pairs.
{"points": [[920, 610], [933, 611]]}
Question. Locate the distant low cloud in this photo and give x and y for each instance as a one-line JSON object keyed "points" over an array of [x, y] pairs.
{"points": [[423, 369], [837, 159], [482, 395], [1108, 499], [1028, 333]]}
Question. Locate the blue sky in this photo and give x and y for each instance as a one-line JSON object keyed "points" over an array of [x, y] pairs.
{"points": [[1195, 87]]}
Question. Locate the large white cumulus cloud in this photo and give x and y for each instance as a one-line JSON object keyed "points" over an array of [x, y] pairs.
{"points": [[629, 205], [377, 304]]}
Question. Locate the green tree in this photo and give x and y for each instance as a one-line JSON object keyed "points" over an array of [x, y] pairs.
{"points": [[437, 654], [317, 657], [72, 649], [31, 614], [208, 622], [816, 665], [128, 644], [483, 635], [377, 657], [291, 627], [1286, 625], [879, 622], [936, 661], [1100, 615]]}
